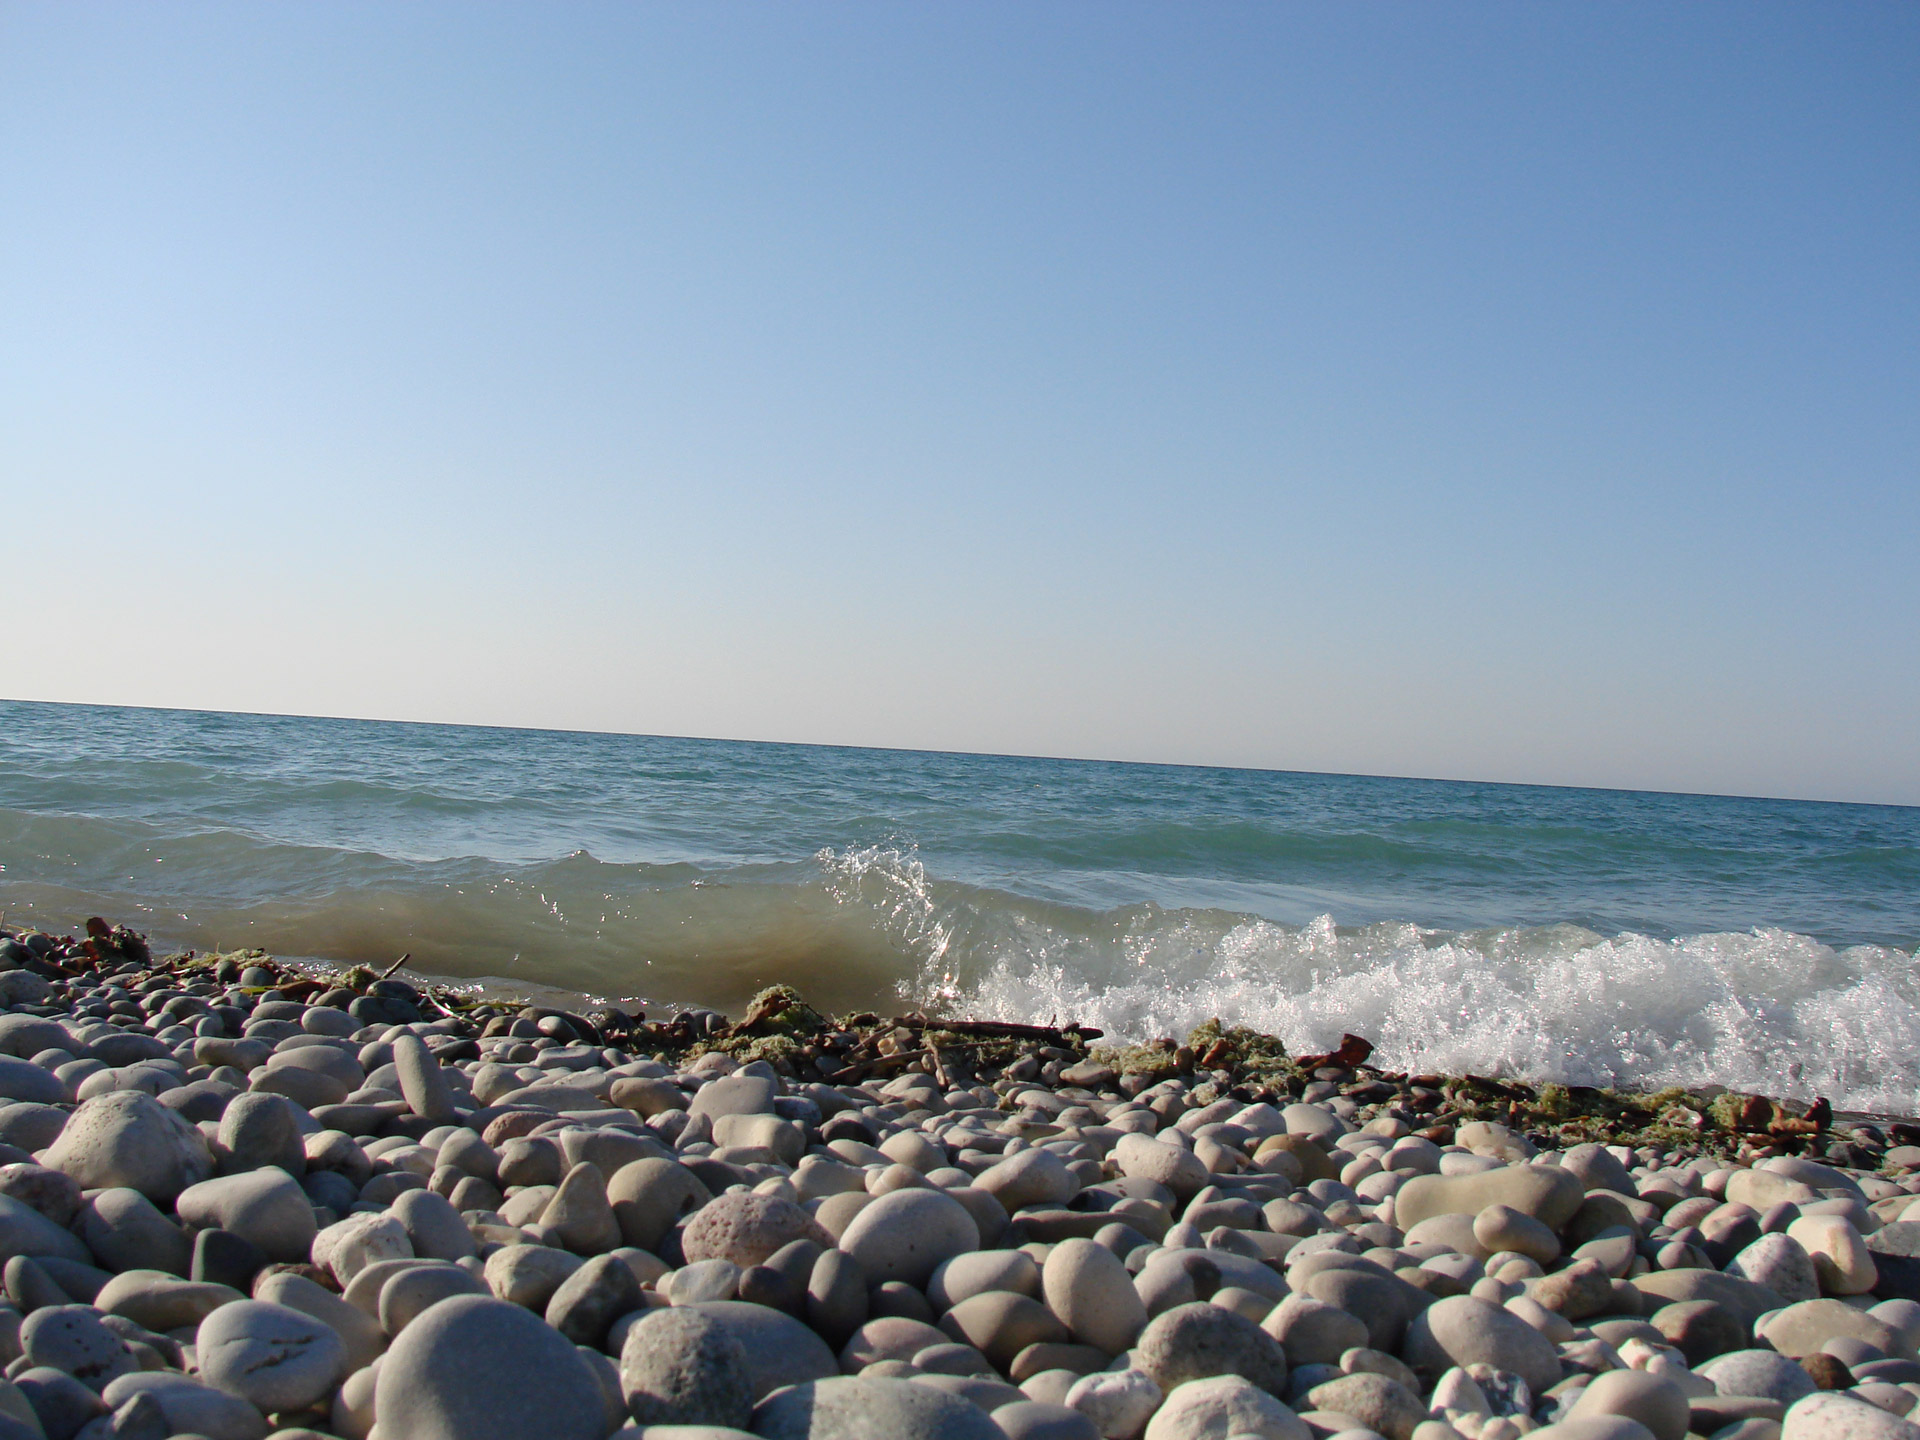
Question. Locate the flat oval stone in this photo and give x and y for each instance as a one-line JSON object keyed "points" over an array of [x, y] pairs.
{"points": [[1037, 1420], [978, 1270], [24, 1080], [434, 1228], [189, 1407], [422, 1084], [1598, 1169], [1032, 1177], [1465, 1331], [734, 1095], [162, 1302], [1383, 1405], [1742, 1298], [1839, 1253], [1501, 1227], [1761, 1190], [266, 1207], [71, 1339], [1119, 1402], [1313, 1332], [60, 1403], [1088, 1287], [588, 1301], [529, 1274], [1654, 1400], [851, 1406], [275, 1358], [1765, 1373], [1831, 1415], [837, 1300], [25, 1036], [1545, 1193], [1380, 1299], [1800, 1330], [410, 1293], [359, 1331], [25, 1231]]}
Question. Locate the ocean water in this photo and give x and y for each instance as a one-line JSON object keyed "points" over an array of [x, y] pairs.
{"points": [[1590, 936]]}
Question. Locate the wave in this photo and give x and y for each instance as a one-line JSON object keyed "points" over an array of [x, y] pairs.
{"points": [[1765, 1010]]}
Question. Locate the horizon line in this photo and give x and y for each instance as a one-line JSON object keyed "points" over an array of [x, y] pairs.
{"points": [[972, 754]]}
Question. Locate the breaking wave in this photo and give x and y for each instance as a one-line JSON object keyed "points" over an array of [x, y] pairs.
{"points": [[1765, 1010]]}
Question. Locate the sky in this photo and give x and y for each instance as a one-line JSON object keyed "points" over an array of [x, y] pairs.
{"points": [[1516, 391]]}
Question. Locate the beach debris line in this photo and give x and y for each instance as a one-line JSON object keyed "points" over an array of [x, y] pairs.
{"points": [[243, 1198]]}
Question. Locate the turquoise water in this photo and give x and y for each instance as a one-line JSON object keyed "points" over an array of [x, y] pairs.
{"points": [[1596, 936]]}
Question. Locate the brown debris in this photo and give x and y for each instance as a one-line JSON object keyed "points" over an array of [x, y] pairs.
{"points": [[1351, 1051]]}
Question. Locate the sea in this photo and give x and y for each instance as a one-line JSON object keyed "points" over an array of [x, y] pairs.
{"points": [[1589, 936]]}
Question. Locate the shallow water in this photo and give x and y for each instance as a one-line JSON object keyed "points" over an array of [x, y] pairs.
{"points": [[1591, 936]]}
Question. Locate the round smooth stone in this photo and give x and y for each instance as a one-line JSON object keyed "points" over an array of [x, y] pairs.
{"points": [[1198, 1341], [1382, 1405], [780, 1349], [680, 1367], [1503, 1228], [1780, 1263], [473, 1366], [1223, 1406], [747, 1228], [968, 1275], [1119, 1402], [1655, 1401], [908, 1234], [1032, 1177], [1142, 1158], [1313, 1332], [127, 1138]]}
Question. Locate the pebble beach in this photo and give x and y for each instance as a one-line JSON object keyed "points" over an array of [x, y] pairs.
{"points": [[242, 1199]]}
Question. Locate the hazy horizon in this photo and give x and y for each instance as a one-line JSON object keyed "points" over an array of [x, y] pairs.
{"points": [[1514, 394]]}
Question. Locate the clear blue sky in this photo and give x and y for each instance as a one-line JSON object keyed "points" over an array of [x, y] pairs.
{"points": [[1520, 392]]}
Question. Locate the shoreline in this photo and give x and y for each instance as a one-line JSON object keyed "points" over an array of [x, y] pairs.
{"points": [[1258, 1067], [457, 1216]]}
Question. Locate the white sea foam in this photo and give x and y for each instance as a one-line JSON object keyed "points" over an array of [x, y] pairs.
{"points": [[1766, 1011]]}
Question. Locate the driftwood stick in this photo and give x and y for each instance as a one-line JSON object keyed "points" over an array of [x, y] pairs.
{"points": [[1007, 1029]]}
